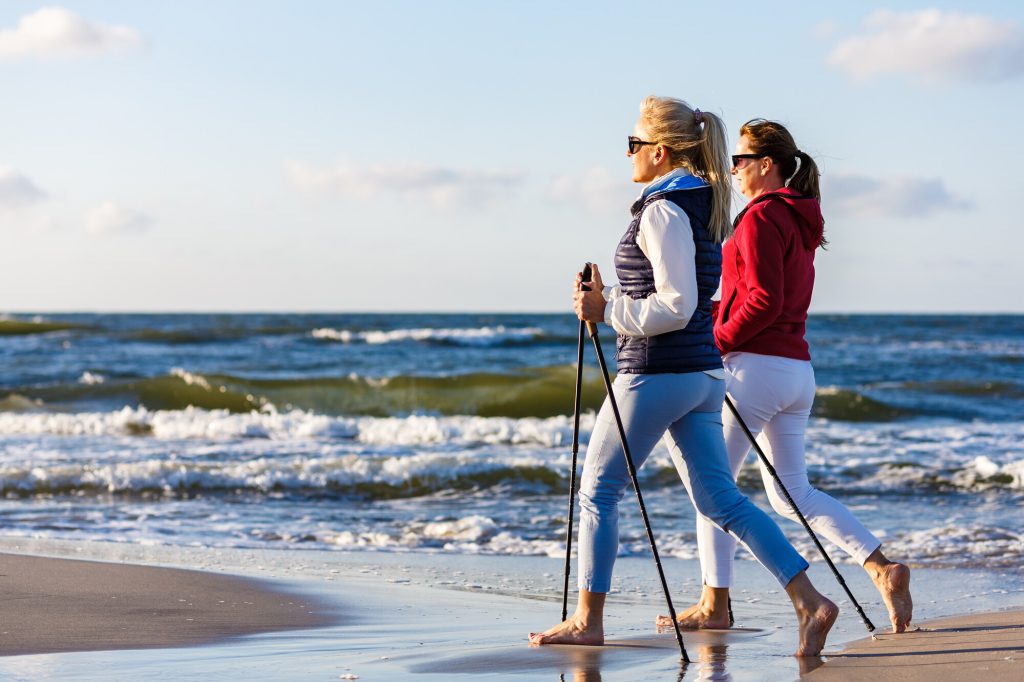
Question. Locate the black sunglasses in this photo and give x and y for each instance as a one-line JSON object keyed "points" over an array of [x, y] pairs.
{"points": [[635, 143], [736, 158]]}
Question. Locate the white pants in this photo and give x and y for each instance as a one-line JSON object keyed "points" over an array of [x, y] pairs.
{"points": [[773, 396]]}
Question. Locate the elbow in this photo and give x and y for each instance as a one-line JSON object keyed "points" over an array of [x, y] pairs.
{"points": [[687, 312], [767, 306]]}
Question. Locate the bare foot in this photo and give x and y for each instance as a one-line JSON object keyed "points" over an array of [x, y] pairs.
{"points": [[697, 617], [570, 631], [814, 627], [893, 582]]}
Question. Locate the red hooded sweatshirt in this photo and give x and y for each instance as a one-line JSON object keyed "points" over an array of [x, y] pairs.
{"points": [[768, 275]]}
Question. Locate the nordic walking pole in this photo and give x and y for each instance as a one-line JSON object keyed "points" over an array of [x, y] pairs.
{"points": [[592, 329], [575, 451], [778, 481]]}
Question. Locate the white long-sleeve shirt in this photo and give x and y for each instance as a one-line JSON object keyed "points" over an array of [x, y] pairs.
{"points": [[665, 237]]}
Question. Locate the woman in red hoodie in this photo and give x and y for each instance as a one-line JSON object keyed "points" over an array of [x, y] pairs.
{"points": [[767, 279]]}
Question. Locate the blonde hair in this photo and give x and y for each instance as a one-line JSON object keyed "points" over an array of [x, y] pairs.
{"points": [[695, 140]]}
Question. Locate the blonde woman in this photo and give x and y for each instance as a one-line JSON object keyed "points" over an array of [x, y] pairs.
{"points": [[670, 377]]}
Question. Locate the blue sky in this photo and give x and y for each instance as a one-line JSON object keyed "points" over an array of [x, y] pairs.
{"points": [[449, 156]]}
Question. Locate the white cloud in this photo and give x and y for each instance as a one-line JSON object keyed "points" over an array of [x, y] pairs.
{"points": [[17, 190], [596, 190], [937, 46], [57, 32], [440, 187], [903, 197], [111, 218]]}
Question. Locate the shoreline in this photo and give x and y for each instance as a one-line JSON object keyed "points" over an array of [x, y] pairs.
{"points": [[433, 616]]}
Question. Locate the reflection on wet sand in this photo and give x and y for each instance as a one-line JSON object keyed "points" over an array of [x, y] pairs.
{"points": [[708, 666]]}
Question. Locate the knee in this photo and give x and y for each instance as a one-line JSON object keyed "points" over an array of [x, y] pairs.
{"points": [[781, 505], [600, 500], [721, 507]]}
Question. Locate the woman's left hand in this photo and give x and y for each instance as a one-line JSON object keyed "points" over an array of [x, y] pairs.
{"points": [[589, 305]]}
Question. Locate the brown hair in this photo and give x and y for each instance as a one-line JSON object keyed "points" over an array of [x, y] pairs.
{"points": [[695, 140], [771, 139]]}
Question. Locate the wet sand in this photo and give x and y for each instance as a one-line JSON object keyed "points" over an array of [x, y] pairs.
{"points": [[61, 605], [987, 646]]}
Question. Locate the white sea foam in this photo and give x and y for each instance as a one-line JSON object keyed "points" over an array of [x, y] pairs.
{"points": [[976, 544], [191, 379], [91, 379], [195, 423], [169, 449], [480, 336], [415, 474]]}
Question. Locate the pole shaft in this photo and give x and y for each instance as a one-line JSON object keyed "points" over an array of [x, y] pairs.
{"points": [[572, 475], [778, 481]]}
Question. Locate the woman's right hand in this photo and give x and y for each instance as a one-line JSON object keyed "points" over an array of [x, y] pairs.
{"points": [[589, 305]]}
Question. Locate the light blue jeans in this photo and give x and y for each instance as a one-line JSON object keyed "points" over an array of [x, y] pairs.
{"points": [[687, 410]]}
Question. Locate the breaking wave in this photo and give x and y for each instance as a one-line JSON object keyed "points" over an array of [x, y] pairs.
{"points": [[477, 336]]}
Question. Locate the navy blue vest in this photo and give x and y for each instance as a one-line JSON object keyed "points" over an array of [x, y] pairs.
{"points": [[691, 349]]}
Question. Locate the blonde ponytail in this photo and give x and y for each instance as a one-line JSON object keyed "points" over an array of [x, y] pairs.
{"points": [[695, 140]]}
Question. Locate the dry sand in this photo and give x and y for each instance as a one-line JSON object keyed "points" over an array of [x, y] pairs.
{"points": [[58, 605], [984, 646]]}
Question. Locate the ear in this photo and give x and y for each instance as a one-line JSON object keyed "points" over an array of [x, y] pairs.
{"points": [[766, 165]]}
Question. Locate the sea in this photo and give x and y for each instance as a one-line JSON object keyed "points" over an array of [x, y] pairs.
{"points": [[451, 433]]}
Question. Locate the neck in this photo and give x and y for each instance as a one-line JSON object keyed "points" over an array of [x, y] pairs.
{"points": [[770, 187]]}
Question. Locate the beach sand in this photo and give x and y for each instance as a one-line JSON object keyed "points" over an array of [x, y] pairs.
{"points": [[987, 646], [60, 605], [441, 616]]}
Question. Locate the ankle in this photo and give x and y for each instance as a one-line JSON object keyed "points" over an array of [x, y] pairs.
{"points": [[876, 564], [589, 608], [715, 600], [803, 594]]}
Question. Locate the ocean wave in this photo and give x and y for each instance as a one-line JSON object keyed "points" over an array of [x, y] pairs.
{"points": [[205, 335], [973, 545], [979, 474], [987, 389], [13, 327], [531, 392], [371, 477], [296, 425], [262, 452], [477, 336], [847, 405]]}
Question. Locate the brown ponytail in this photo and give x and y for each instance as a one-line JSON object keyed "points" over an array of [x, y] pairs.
{"points": [[805, 180], [798, 169]]}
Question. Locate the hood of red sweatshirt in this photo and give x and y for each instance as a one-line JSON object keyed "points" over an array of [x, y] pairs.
{"points": [[806, 210]]}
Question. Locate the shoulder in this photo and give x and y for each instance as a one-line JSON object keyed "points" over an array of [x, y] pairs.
{"points": [[768, 211]]}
